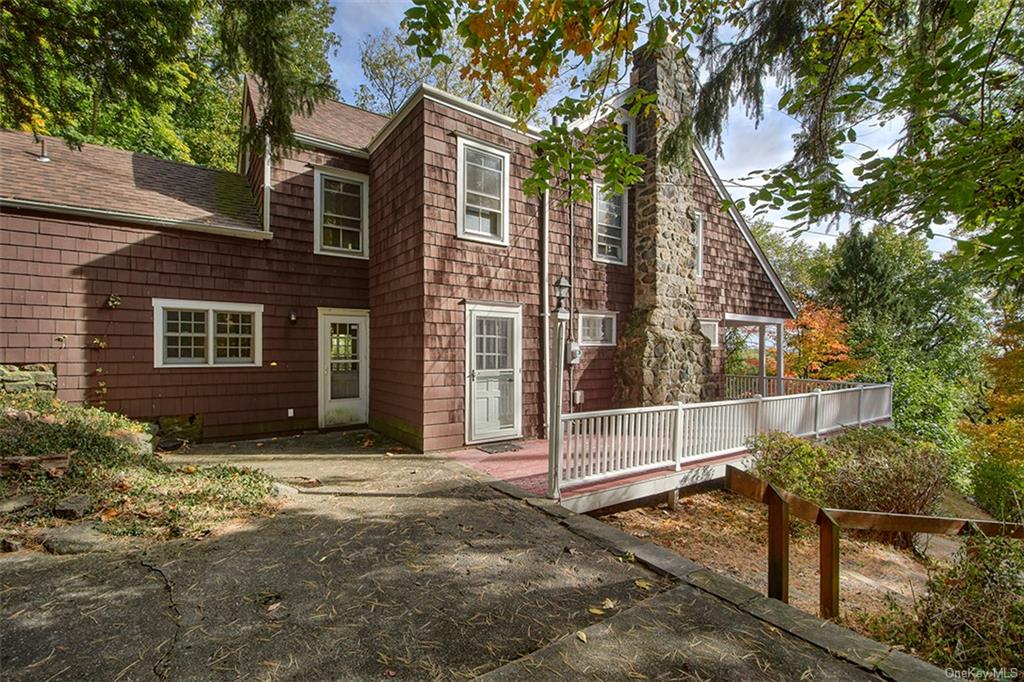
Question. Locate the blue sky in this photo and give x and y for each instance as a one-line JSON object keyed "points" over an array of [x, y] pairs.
{"points": [[745, 147]]}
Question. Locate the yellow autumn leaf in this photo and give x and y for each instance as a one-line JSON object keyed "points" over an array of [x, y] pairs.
{"points": [[582, 636], [643, 584], [596, 611], [608, 603]]}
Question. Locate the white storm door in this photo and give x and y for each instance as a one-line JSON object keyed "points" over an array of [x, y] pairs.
{"points": [[494, 382], [344, 369]]}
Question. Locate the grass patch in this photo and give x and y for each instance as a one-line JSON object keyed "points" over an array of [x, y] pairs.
{"points": [[108, 459]]}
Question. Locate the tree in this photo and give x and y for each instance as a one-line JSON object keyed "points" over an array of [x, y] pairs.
{"points": [[949, 74], [1005, 363], [801, 268], [150, 74], [817, 339]]}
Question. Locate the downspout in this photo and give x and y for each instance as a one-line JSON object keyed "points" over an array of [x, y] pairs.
{"points": [[545, 307], [267, 183], [572, 293]]}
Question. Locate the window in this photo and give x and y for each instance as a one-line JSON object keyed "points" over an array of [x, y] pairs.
{"points": [[698, 239], [628, 126], [482, 192], [709, 328], [597, 329], [609, 226], [340, 209], [205, 333]]}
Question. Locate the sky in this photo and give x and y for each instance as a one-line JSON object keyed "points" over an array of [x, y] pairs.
{"points": [[745, 147]]}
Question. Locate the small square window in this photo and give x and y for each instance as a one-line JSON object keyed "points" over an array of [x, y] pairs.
{"points": [[597, 329]]}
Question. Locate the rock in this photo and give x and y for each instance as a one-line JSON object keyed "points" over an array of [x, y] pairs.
{"points": [[74, 507], [171, 444], [282, 490], [50, 369], [9, 545], [17, 503], [16, 377], [44, 378], [77, 539], [19, 386]]}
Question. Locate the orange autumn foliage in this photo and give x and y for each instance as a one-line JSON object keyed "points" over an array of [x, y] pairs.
{"points": [[817, 344]]}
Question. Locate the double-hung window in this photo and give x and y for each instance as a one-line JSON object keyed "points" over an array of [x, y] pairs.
{"points": [[340, 208], [482, 179], [597, 329], [610, 226], [206, 333]]}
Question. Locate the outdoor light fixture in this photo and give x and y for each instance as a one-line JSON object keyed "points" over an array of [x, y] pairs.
{"points": [[562, 287], [292, 317]]}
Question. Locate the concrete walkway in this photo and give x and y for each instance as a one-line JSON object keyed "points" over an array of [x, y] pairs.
{"points": [[408, 567]]}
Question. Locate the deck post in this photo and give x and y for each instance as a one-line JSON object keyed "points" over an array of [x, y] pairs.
{"points": [[780, 369], [555, 404], [757, 417], [762, 361], [828, 566], [677, 436], [860, 404], [778, 545]]}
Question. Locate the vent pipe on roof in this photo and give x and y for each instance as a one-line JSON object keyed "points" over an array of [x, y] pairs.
{"points": [[42, 152]]}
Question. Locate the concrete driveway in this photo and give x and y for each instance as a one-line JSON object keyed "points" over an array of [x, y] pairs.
{"points": [[394, 566]]}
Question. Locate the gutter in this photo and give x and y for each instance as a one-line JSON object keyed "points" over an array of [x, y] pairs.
{"points": [[153, 221]]}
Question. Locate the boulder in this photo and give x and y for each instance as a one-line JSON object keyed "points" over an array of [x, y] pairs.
{"points": [[74, 507], [19, 386], [9, 545], [17, 503], [77, 539]]}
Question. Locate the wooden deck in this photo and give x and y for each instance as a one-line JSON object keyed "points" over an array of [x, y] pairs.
{"points": [[527, 468]]}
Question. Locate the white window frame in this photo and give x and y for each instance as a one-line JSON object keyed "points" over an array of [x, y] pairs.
{"points": [[211, 308], [625, 227], [319, 173], [460, 190], [716, 339], [602, 316], [698, 225], [623, 118]]}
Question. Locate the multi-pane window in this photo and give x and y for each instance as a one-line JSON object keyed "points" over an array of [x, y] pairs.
{"points": [[206, 333], [233, 338], [341, 213], [609, 226], [597, 329], [185, 337], [492, 343], [483, 192], [344, 342]]}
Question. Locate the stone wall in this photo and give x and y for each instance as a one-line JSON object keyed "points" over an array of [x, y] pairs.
{"points": [[663, 357], [27, 378]]}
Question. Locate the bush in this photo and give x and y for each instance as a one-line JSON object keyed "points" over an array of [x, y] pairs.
{"points": [[998, 475], [972, 615], [871, 469], [32, 425]]}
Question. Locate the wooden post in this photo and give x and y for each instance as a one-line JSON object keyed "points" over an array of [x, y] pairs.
{"points": [[555, 405], [780, 368], [828, 566], [860, 405], [672, 499], [817, 412], [762, 361], [757, 417], [677, 436], [778, 545]]}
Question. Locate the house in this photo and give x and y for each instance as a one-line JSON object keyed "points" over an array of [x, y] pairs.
{"points": [[392, 272]]}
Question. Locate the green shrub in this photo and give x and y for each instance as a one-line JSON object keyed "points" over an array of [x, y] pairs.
{"points": [[795, 464], [998, 475], [32, 425], [871, 469], [972, 615]]}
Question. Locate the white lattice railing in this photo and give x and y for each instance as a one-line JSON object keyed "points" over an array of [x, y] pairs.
{"points": [[595, 446]]}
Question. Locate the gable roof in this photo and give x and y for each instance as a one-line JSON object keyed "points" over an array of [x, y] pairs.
{"points": [[334, 122], [117, 184]]}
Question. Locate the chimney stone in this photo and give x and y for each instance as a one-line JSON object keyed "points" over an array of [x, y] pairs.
{"points": [[663, 356]]}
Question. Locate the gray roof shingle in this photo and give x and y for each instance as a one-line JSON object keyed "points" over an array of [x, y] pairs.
{"points": [[106, 179]]}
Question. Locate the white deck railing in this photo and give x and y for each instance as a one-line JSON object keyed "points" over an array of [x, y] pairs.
{"points": [[597, 446], [749, 385]]}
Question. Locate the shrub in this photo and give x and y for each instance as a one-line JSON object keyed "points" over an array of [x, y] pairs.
{"points": [[795, 464], [32, 425], [998, 475], [972, 615]]}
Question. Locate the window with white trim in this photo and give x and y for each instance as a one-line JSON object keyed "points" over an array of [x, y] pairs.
{"points": [[710, 329], [206, 333], [610, 226], [698, 240], [597, 329], [628, 125], [482, 190], [340, 210]]}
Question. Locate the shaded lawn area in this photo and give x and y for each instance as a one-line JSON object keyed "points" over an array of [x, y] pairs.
{"points": [[392, 567]]}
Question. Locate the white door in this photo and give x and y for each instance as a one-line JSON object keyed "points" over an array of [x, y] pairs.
{"points": [[344, 369], [494, 379]]}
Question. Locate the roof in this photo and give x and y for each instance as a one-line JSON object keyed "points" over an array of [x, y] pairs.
{"points": [[331, 121], [102, 180]]}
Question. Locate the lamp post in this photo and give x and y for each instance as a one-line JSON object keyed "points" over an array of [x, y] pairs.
{"points": [[561, 288]]}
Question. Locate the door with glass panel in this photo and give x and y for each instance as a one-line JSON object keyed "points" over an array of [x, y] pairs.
{"points": [[344, 367], [494, 382]]}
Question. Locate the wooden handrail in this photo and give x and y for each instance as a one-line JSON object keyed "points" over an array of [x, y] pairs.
{"points": [[782, 504]]}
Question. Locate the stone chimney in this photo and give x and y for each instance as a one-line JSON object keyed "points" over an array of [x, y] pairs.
{"points": [[663, 356]]}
